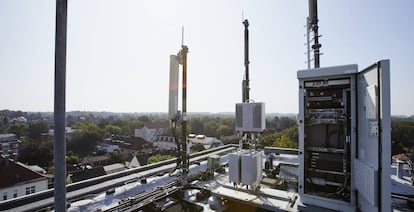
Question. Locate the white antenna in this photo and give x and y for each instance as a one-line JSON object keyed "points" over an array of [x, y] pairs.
{"points": [[182, 36]]}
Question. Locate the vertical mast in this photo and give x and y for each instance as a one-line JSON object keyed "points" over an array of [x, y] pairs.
{"points": [[313, 24], [59, 108], [185, 158], [245, 83]]}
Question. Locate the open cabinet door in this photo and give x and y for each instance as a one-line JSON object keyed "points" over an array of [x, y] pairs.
{"points": [[373, 153]]}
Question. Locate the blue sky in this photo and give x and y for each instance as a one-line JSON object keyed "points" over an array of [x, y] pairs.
{"points": [[118, 51]]}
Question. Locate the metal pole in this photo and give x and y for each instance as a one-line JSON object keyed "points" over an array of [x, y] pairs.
{"points": [[184, 52], [59, 109], [313, 15], [246, 88]]}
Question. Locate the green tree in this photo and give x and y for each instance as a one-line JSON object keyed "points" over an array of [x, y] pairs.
{"points": [[130, 126], [117, 157], [144, 119], [84, 139], [287, 138], [210, 129], [111, 129], [36, 154], [72, 159], [224, 130], [37, 128], [197, 125], [285, 122], [158, 158], [103, 122], [18, 129]]}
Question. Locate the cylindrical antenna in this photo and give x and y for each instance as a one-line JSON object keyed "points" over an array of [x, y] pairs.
{"points": [[182, 36], [246, 61]]}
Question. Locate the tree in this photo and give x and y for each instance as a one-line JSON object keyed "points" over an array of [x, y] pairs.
{"points": [[197, 125], [288, 138], [285, 122], [84, 139], [210, 129], [35, 153], [130, 125], [18, 129], [111, 129], [157, 158], [72, 160], [224, 130], [37, 128], [103, 122], [117, 157], [144, 119]]}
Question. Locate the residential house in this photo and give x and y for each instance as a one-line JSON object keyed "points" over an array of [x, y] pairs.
{"points": [[16, 180], [151, 131]]}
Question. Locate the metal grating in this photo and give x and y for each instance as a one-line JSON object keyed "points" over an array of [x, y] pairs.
{"points": [[257, 116], [366, 179], [239, 115]]}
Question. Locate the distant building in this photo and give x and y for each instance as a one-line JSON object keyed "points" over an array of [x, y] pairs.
{"points": [[18, 120], [151, 131], [206, 142], [165, 145], [16, 180], [100, 160], [126, 142], [68, 132], [113, 168], [108, 148], [9, 146], [134, 163]]}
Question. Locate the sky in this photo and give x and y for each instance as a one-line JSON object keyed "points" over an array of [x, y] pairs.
{"points": [[118, 51]]}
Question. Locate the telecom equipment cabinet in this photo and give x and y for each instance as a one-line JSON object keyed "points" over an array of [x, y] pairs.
{"points": [[344, 137]]}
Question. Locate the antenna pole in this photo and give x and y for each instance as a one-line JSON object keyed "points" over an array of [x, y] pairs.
{"points": [[182, 36], [185, 157], [313, 17], [245, 83], [60, 108]]}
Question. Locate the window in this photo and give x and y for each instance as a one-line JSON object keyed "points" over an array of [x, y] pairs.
{"points": [[5, 195], [30, 190], [15, 193]]}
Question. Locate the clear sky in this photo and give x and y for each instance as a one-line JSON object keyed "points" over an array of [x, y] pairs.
{"points": [[118, 51]]}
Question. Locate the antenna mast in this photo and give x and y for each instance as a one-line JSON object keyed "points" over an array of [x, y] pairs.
{"points": [[245, 83], [313, 25], [176, 118]]}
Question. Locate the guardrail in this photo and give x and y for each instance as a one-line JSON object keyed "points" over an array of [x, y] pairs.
{"points": [[44, 199]]}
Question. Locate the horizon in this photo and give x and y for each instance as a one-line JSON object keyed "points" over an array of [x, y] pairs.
{"points": [[166, 113]]}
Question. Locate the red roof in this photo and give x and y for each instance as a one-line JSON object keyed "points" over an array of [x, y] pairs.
{"points": [[12, 174], [401, 157]]}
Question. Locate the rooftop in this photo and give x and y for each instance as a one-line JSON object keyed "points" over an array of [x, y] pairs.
{"points": [[12, 174]]}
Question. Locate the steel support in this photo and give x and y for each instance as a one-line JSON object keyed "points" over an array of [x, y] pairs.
{"points": [[59, 107]]}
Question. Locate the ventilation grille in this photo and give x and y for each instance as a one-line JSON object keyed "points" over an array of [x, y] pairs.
{"points": [[365, 181], [257, 116], [239, 115]]}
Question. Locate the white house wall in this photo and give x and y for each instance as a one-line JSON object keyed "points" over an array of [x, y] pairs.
{"points": [[21, 189]]}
